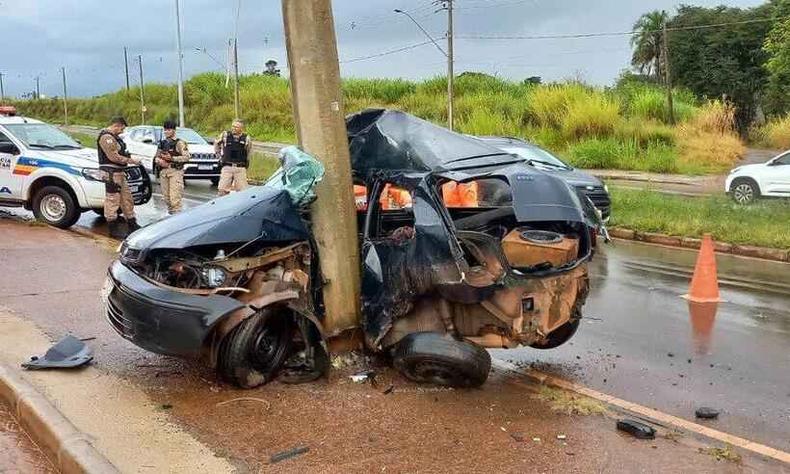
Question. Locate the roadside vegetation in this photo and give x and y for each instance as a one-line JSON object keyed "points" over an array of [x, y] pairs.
{"points": [[762, 224], [624, 127]]}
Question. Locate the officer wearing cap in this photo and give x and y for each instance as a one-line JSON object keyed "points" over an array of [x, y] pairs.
{"points": [[171, 154], [234, 148], [113, 160]]}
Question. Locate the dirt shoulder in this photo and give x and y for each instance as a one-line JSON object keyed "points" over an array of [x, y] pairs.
{"points": [[151, 412]]}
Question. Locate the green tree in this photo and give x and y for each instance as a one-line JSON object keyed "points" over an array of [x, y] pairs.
{"points": [[647, 44], [725, 61], [776, 99]]}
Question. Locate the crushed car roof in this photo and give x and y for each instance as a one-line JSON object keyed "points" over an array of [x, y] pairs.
{"points": [[381, 139]]}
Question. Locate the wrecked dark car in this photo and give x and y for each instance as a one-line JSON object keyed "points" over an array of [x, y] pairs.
{"points": [[463, 247]]}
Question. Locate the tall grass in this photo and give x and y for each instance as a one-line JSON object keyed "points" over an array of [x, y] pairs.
{"points": [[624, 127], [774, 134]]}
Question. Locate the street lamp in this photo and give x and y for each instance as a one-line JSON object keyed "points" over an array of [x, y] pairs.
{"points": [[423, 30]]}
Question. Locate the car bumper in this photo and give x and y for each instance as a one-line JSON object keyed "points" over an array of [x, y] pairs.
{"points": [[158, 319], [202, 170]]}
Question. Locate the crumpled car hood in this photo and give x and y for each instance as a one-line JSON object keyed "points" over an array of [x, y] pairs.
{"points": [[257, 212]]}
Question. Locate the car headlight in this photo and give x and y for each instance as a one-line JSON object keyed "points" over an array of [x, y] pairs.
{"points": [[93, 174], [606, 188]]}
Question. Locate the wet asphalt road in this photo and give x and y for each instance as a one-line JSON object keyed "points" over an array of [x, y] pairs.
{"points": [[643, 343]]}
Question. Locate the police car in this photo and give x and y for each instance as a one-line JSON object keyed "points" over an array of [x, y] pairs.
{"points": [[44, 170]]}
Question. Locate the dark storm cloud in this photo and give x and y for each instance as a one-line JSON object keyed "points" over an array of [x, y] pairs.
{"points": [[88, 36]]}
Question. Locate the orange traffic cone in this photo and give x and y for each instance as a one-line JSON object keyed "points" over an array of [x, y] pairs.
{"points": [[705, 282]]}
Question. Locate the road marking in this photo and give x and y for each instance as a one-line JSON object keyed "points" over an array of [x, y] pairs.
{"points": [[543, 378]]}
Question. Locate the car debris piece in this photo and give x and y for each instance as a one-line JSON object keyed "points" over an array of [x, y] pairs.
{"points": [[561, 437], [707, 413], [636, 429], [291, 453], [363, 377], [68, 353]]}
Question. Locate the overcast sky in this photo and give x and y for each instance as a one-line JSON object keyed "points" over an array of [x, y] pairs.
{"points": [[88, 36]]}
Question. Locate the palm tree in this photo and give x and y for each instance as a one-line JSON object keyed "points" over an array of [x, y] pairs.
{"points": [[647, 43]]}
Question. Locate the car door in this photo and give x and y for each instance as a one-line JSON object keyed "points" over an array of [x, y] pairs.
{"points": [[10, 183], [777, 176]]}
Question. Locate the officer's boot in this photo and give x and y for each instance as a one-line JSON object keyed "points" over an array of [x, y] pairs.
{"points": [[132, 224], [116, 230]]}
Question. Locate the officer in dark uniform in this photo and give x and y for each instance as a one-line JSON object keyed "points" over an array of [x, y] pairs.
{"points": [[234, 149], [113, 159], [171, 154]]}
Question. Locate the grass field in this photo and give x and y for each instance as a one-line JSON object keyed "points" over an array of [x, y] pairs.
{"points": [[764, 223], [623, 127]]}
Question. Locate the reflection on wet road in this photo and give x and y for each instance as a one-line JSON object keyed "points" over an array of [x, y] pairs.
{"points": [[643, 343]]}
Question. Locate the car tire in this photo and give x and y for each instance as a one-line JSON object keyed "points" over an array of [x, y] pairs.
{"points": [[439, 359], [256, 349], [55, 206], [744, 190], [562, 334], [215, 182]]}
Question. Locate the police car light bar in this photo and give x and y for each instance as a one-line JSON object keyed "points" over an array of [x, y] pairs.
{"points": [[7, 110]]}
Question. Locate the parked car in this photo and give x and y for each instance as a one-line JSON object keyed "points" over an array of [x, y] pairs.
{"points": [[762, 180], [237, 281], [142, 140], [46, 171], [591, 186]]}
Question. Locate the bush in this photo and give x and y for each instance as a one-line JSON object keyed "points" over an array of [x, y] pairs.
{"points": [[708, 141], [775, 134]]}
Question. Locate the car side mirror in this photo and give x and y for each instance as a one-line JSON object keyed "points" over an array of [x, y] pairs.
{"points": [[148, 140], [9, 148], [210, 141]]}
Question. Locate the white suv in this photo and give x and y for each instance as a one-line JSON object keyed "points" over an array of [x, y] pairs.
{"points": [[771, 179]]}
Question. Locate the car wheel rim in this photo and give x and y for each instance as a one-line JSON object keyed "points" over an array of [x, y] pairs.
{"points": [[743, 193], [53, 207]]}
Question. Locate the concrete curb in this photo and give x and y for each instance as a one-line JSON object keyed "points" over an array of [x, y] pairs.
{"points": [[69, 449], [540, 378], [764, 253]]}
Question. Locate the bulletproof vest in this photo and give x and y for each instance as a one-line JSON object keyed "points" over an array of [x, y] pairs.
{"points": [[235, 150], [168, 145], [103, 160]]}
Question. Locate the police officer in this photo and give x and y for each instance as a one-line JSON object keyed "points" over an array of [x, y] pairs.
{"points": [[113, 159], [171, 154], [234, 148]]}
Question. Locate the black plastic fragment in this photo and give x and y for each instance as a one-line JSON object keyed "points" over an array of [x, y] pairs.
{"points": [[68, 353], [707, 413], [291, 453], [636, 429]]}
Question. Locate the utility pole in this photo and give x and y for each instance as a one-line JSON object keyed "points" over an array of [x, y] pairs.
{"points": [[142, 90], [2, 91], [180, 68], [38, 87], [321, 130], [65, 98], [126, 66], [667, 75], [236, 107], [450, 73]]}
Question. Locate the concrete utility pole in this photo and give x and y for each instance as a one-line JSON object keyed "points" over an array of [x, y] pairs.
{"points": [[142, 90], [450, 73], [236, 107], [65, 98], [2, 91], [667, 75], [38, 87], [320, 128], [126, 66], [180, 68]]}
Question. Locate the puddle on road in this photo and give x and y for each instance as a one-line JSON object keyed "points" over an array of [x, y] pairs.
{"points": [[703, 319]]}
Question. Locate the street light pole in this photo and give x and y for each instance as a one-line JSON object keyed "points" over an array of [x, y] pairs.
{"points": [[236, 78], [180, 67], [126, 66], [2, 91], [65, 98], [450, 73], [142, 90]]}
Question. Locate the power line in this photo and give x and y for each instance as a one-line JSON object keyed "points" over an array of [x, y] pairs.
{"points": [[385, 53], [615, 33]]}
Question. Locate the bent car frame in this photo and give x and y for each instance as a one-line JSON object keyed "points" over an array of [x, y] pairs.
{"points": [[236, 282]]}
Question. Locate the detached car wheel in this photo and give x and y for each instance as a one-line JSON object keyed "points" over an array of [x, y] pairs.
{"points": [[427, 357], [744, 191], [256, 349], [55, 206]]}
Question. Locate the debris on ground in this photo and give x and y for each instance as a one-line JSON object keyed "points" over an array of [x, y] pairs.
{"points": [[363, 377], [722, 454], [636, 429], [537, 440], [348, 360], [68, 353], [518, 437], [389, 390], [562, 437], [291, 453], [707, 413], [569, 403], [166, 406]]}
